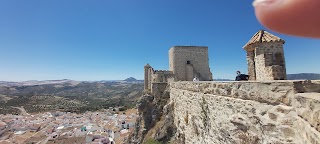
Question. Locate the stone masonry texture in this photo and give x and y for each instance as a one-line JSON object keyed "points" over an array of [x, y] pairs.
{"points": [[197, 56], [270, 112], [265, 57]]}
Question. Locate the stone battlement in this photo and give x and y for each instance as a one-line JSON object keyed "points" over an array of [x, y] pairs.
{"points": [[162, 71]]}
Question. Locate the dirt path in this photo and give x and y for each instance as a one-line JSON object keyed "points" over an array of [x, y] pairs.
{"points": [[22, 110]]}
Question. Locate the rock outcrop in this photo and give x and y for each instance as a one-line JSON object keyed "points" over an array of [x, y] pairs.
{"points": [[155, 118]]}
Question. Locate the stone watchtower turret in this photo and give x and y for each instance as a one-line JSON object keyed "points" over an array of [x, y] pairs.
{"points": [[265, 57], [146, 76]]}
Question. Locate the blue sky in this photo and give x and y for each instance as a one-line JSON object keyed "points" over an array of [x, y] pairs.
{"points": [[114, 39]]}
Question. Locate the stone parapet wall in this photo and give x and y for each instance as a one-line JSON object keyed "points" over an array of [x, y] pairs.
{"points": [[247, 112], [267, 92], [308, 86], [161, 77]]}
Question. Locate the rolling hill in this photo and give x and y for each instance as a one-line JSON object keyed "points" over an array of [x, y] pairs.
{"points": [[75, 96], [300, 76]]}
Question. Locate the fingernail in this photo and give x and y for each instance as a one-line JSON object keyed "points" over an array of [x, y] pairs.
{"points": [[262, 2]]}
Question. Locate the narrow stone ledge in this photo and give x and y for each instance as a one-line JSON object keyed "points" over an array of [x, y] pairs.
{"points": [[307, 86], [271, 92], [266, 92]]}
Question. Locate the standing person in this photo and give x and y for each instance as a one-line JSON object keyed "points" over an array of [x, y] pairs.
{"points": [[195, 79], [241, 77], [238, 77]]}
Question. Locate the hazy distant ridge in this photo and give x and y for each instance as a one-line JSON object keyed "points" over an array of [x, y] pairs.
{"points": [[307, 76], [299, 76], [63, 81]]}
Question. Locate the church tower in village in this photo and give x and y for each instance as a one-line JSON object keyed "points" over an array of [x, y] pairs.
{"points": [[265, 57]]}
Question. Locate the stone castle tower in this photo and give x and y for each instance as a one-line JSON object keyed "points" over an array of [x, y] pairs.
{"points": [[187, 62], [265, 57]]}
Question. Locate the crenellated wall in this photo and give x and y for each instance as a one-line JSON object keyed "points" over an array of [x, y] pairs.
{"points": [[275, 112], [162, 76]]}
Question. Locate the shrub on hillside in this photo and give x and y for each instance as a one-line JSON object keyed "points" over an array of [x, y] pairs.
{"points": [[152, 141]]}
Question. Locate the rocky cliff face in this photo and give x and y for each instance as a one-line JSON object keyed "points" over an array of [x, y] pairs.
{"points": [[277, 112], [155, 118]]}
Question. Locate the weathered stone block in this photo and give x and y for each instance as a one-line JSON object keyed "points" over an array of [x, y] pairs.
{"points": [[245, 112]]}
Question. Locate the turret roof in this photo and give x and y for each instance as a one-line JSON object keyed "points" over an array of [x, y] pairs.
{"points": [[263, 36]]}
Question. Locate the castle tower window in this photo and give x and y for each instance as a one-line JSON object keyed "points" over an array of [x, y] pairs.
{"points": [[188, 62]]}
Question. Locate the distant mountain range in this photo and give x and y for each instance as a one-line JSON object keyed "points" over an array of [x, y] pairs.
{"points": [[132, 79], [35, 82], [64, 81], [307, 76], [299, 76]]}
